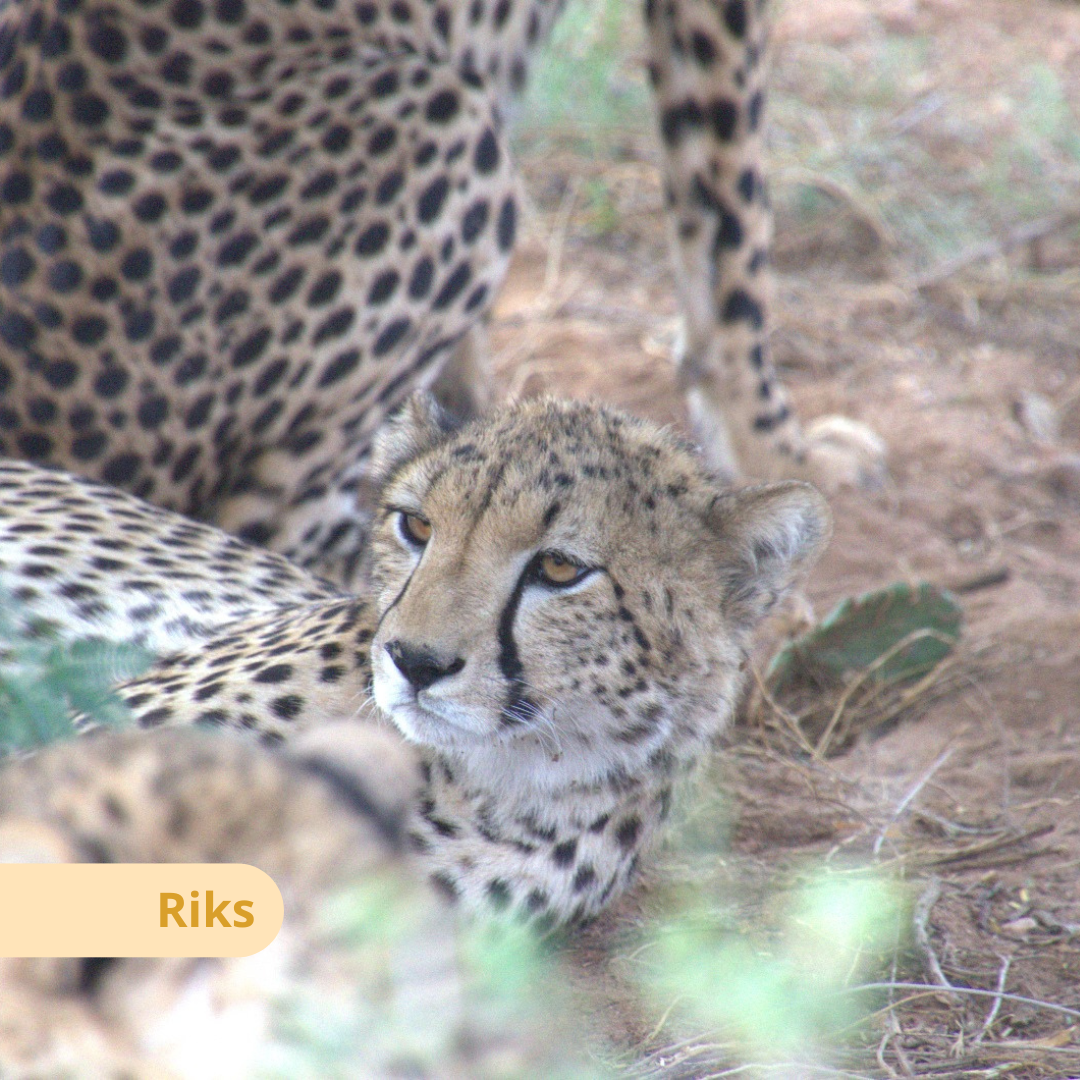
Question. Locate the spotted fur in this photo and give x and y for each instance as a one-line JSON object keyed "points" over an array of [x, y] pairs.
{"points": [[366, 977], [551, 718], [320, 824], [236, 234]]}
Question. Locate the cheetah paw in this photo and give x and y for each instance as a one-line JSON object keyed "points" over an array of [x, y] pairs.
{"points": [[843, 453]]}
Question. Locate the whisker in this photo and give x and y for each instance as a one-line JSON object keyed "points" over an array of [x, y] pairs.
{"points": [[542, 723]]}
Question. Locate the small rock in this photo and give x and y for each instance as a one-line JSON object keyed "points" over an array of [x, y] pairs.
{"points": [[1062, 478], [1038, 417], [1020, 927]]}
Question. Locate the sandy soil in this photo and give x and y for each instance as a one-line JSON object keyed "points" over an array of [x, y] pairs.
{"points": [[972, 796]]}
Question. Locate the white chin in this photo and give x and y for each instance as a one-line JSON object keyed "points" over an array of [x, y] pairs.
{"points": [[416, 723], [396, 703]]}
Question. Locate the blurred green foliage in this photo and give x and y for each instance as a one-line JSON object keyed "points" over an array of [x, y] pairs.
{"points": [[427, 996], [779, 996], [44, 680], [587, 87], [945, 164]]}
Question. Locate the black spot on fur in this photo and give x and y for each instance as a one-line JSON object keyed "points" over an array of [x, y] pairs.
{"points": [[564, 854], [627, 833], [276, 673]]}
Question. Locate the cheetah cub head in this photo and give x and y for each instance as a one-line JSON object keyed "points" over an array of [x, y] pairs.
{"points": [[565, 594]]}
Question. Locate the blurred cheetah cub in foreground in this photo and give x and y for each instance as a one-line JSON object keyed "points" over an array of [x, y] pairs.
{"points": [[365, 978]]}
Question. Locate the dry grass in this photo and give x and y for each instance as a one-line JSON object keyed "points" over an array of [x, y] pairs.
{"points": [[823, 721]]}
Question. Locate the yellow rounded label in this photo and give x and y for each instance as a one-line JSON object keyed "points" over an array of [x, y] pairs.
{"points": [[137, 909]]}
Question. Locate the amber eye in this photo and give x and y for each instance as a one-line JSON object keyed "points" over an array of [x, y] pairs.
{"points": [[414, 528], [556, 569]]}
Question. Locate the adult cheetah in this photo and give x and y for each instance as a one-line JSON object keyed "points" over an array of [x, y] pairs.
{"points": [[235, 234], [561, 604]]}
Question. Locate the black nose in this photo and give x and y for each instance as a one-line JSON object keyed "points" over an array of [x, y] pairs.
{"points": [[419, 666]]}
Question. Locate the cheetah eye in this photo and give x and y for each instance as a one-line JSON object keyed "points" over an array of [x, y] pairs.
{"points": [[414, 529], [554, 568]]}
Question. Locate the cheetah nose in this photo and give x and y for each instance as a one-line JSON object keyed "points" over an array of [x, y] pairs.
{"points": [[419, 666]]}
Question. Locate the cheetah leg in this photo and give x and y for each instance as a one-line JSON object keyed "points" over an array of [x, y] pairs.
{"points": [[707, 67], [329, 535], [326, 678]]}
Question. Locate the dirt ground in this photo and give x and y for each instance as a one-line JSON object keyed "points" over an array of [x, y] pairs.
{"points": [[969, 368]]}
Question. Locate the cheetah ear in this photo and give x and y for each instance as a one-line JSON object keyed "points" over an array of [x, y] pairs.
{"points": [[769, 536], [418, 425]]}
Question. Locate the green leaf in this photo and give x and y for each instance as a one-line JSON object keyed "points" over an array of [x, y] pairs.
{"points": [[44, 680], [30, 714], [901, 632]]}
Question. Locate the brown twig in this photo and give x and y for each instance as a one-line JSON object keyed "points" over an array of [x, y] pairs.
{"points": [[861, 207], [987, 579], [922, 989], [920, 921], [991, 1016], [989, 249], [985, 847]]}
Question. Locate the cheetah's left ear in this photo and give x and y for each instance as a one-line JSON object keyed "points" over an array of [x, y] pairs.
{"points": [[769, 536], [418, 425]]}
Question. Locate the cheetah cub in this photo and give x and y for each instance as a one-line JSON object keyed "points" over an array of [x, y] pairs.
{"points": [[561, 604], [341, 992]]}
